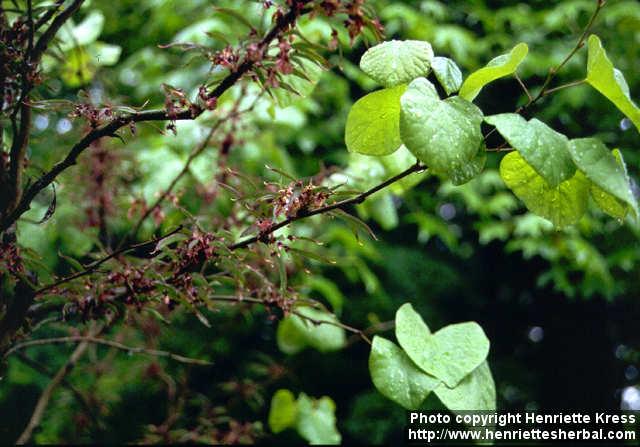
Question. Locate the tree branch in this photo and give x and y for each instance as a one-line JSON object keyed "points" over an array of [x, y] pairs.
{"points": [[417, 167], [43, 401], [282, 25], [92, 267], [553, 71], [45, 39], [76, 393]]}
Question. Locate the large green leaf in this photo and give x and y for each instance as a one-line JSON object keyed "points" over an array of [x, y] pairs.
{"points": [[601, 167], [448, 74], [283, 411], [608, 203], [396, 376], [411, 330], [610, 81], [397, 62], [317, 420], [476, 392], [543, 148], [498, 67], [295, 333], [451, 353], [373, 124], [467, 171], [444, 135], [563, 205]]}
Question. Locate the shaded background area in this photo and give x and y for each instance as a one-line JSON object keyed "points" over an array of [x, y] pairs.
{"points": [[560, 308]]}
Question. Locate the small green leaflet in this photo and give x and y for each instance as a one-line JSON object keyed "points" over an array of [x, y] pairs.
{"points": [[608, 203], [544, 149], [373, 124], [448, 74], [317, 420], [282, 413], [411, 330], [396, 376], [498, 67], [397, 62], [563, 205], [610, 81], [601, 167], [476, 392], [295, 333], [444, 135]]}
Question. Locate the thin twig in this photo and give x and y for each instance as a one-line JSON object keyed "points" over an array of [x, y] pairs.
{"points": [[524, 87], [371, 330], [568, 85], [110, 343], [553, 71], [333, 323]]}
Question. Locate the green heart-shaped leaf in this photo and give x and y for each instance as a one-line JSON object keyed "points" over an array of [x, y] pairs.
{"points": [[476, 392], [610, 81], [397, 62], [396, 376], [498, 67], [373, 124], [601, 167], [563, 205], [544, 149], [445, 135]]}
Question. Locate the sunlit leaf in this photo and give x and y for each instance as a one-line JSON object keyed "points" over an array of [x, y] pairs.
{"points": [[411, 330], [608, 203], [476, 392], [396, 376], [448, 74], [451, 353], [104, 54], [373, 124], [501, 66], [563, 205], [544, 149], [601, 167], [397, 62], [609, 81]]}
